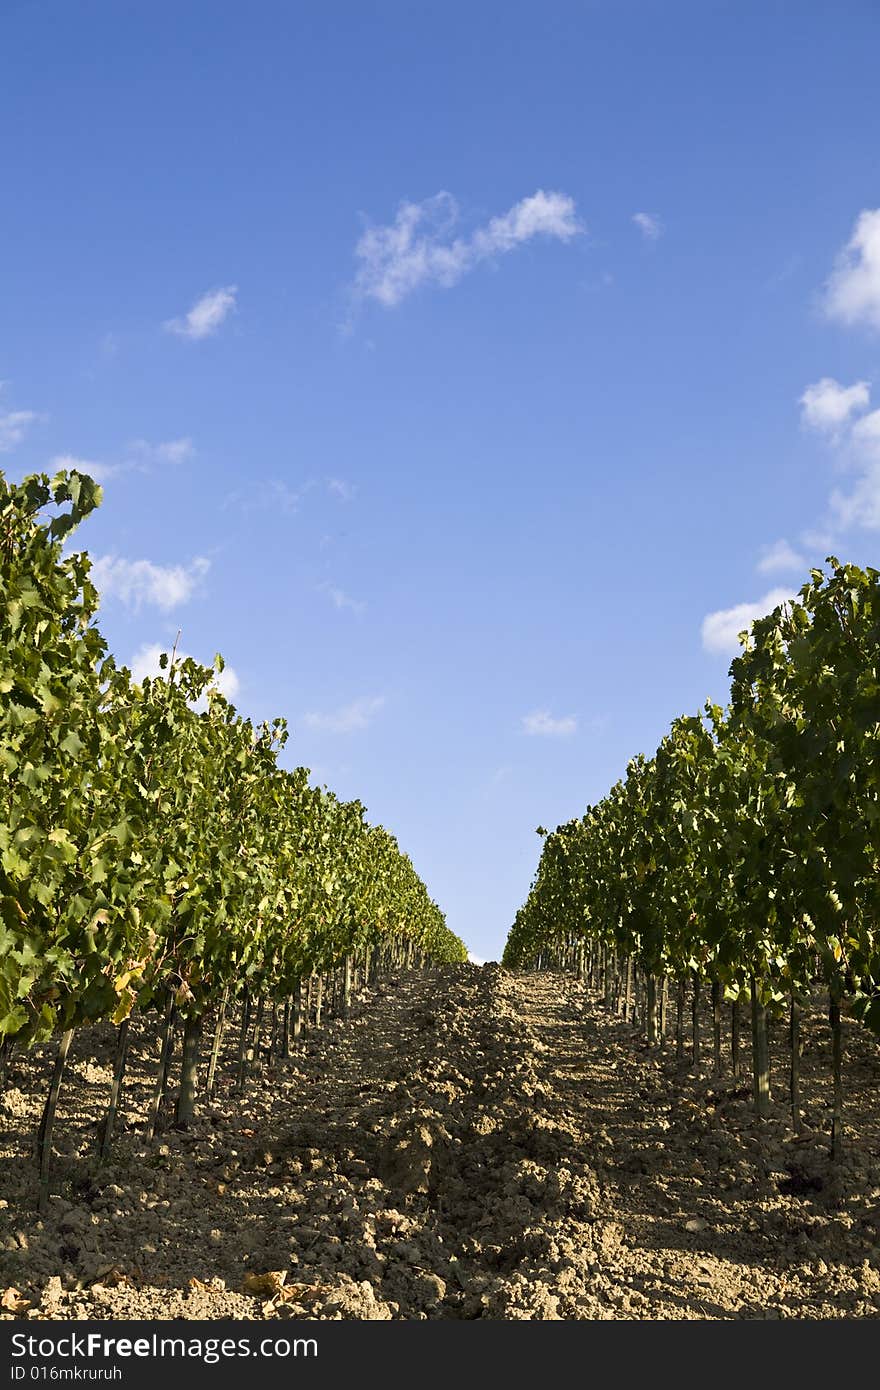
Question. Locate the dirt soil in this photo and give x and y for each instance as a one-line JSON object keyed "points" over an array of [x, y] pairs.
{"points": [[472, 1144]]}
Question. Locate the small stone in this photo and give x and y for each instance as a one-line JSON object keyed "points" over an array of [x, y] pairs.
{"points": [[695, 1225], [75, 1220]]}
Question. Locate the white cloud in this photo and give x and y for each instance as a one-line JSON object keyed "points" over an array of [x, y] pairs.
{"points": [[341, 489], [819, 538], [852, 293], [543, 214], [597, 283], [540, 722], [419, 248], [828, 406], [475, 960], [865, 435], [175, 450], [649, 225], [268, 495], [721, 629], [136, 582], [789, 268], [14, 426], [145, 662], [206, 315], [842, 413], [340, 599], [778, 557], [861, 506], [358, 715], [99, 471], [172, 451], [140, 454]]}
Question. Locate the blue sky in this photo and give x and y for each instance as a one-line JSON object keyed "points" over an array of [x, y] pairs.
{"points": [[457, 371]]}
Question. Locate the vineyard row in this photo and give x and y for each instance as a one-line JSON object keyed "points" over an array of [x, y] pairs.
{"points": [[743, 857], [155, 856]]}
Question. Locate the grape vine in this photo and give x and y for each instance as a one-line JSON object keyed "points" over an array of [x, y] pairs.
{"points": [[154, 854], [745, 853]]}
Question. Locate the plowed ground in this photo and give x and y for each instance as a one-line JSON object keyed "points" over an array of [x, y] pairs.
{"points": [[472, 1144]]}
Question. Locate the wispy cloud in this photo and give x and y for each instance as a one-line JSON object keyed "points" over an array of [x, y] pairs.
{"points": [[649, 225], [358, 715], [827, 406], [170, 451], [597, 283], [268, 494], [720, 630], [138, 582], [138, 456], [818, 538], [489, 787], [14, 425], [541, 723], [861, 506], [99, 471], [206, 315], [841, 413], [341, 489], [789, 267], [419, 247], [146, 659], [340, 599], [852, 293], [779, 557]]}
